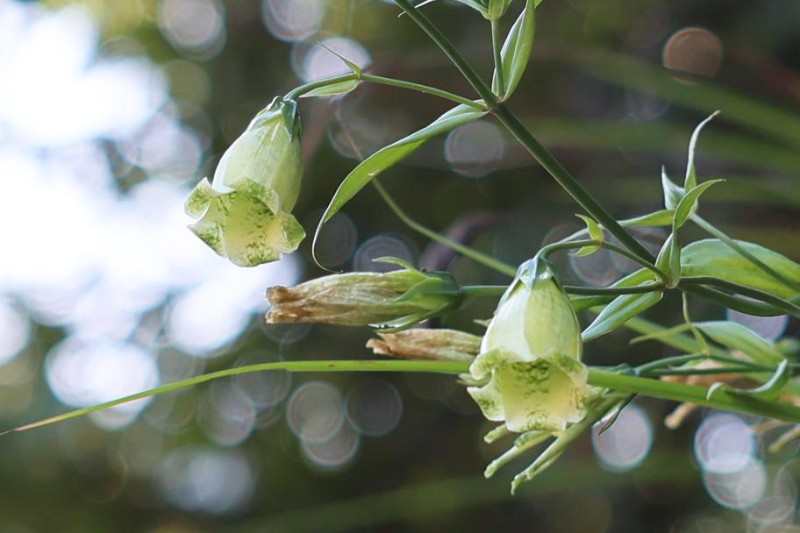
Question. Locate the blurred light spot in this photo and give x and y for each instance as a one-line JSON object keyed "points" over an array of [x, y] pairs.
{"points": [[293, 20], [644, 106], [627, 442], [212, 315], [15, 331], [189, 84], [337, 239], [598, 268], [769, 327], [779, 504], [165, 148], [264, 389], [83, 375], [724, 444], [193, 25], [651, 238], [740, 489], [431, 386], [286, 333], [474, 149], [356, 134], [693, 51], [315, 412], [381, 246], [374, 407], [335, 452], [211, 481], [320, 63], [227, 414]]}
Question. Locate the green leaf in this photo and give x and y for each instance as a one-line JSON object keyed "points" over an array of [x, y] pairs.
{"points": [[334, 89], [657, 218], [691, 175], [619, 311], [669, 260], [769, 391], [737, 337], [517, 49], [595, 233], [688, 204], [712, 257], [672, 193], [384, 158], [640, 277]]}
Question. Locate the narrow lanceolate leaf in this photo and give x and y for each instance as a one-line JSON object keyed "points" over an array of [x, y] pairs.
{"points": [[672, 193], [517, 49], [595, 233], [691, 175], [334, 89], [712, 257], [640, 277], [769, 391], [392, 154], [622, 309], [657, 218], [688, 204], [669, 260], [737, 337]]}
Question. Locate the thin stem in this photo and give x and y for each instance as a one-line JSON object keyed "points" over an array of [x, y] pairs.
{"points": [[680, 392], [731, 301], [765, 297], [444, 44], [391, 365], [572, 244], [298, 92], [733, 245], [613, 291], [706, 371], [569, 183], [483, 290], [498, 60], [480, 258]]}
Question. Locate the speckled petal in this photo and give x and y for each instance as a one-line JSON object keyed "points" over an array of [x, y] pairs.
{"points": [[198, 201]]}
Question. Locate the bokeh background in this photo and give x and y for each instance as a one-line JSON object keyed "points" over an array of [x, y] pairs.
{"points": [[110, 112]]}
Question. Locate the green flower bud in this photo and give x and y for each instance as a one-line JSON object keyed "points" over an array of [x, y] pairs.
{"points": [[529, 373], [397, 299], [244, 213], [496, 9]]}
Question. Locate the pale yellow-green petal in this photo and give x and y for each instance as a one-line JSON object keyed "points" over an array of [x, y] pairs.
{"points": [[199, 199]]}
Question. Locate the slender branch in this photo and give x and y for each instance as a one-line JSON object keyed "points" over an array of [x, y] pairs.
{"points": [[764, 297], [483, 290], [679, 392], [572, 244], [613, 291], [382, 80]]}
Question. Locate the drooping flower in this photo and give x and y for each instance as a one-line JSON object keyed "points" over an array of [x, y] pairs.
{"points": [[244, 213], [397, 299], [528, 373]]}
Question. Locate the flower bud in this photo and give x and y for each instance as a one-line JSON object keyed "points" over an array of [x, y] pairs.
{"points": [[529, 373], [244, 214], [427, 344], [397, 299]]}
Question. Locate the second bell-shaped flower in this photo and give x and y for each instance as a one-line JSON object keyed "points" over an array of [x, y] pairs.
{"points": [[529, 372], [244, 214]]}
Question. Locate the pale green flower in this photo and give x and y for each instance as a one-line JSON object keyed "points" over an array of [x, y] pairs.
{"points": [[244, 213], [529, 370]]}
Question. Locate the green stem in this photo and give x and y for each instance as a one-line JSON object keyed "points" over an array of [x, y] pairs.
{"points": [[298, 92], [707, 371], [572, 244], [444, 44], [568, 182], [480, 258], [436, 367], [498, 60], [613, 291], [680, 392], [761, 296], [483, 290]]}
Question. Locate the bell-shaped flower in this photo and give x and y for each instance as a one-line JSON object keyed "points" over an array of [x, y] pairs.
{"points": [[397, 299], [528, 373], [244, 213]]}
